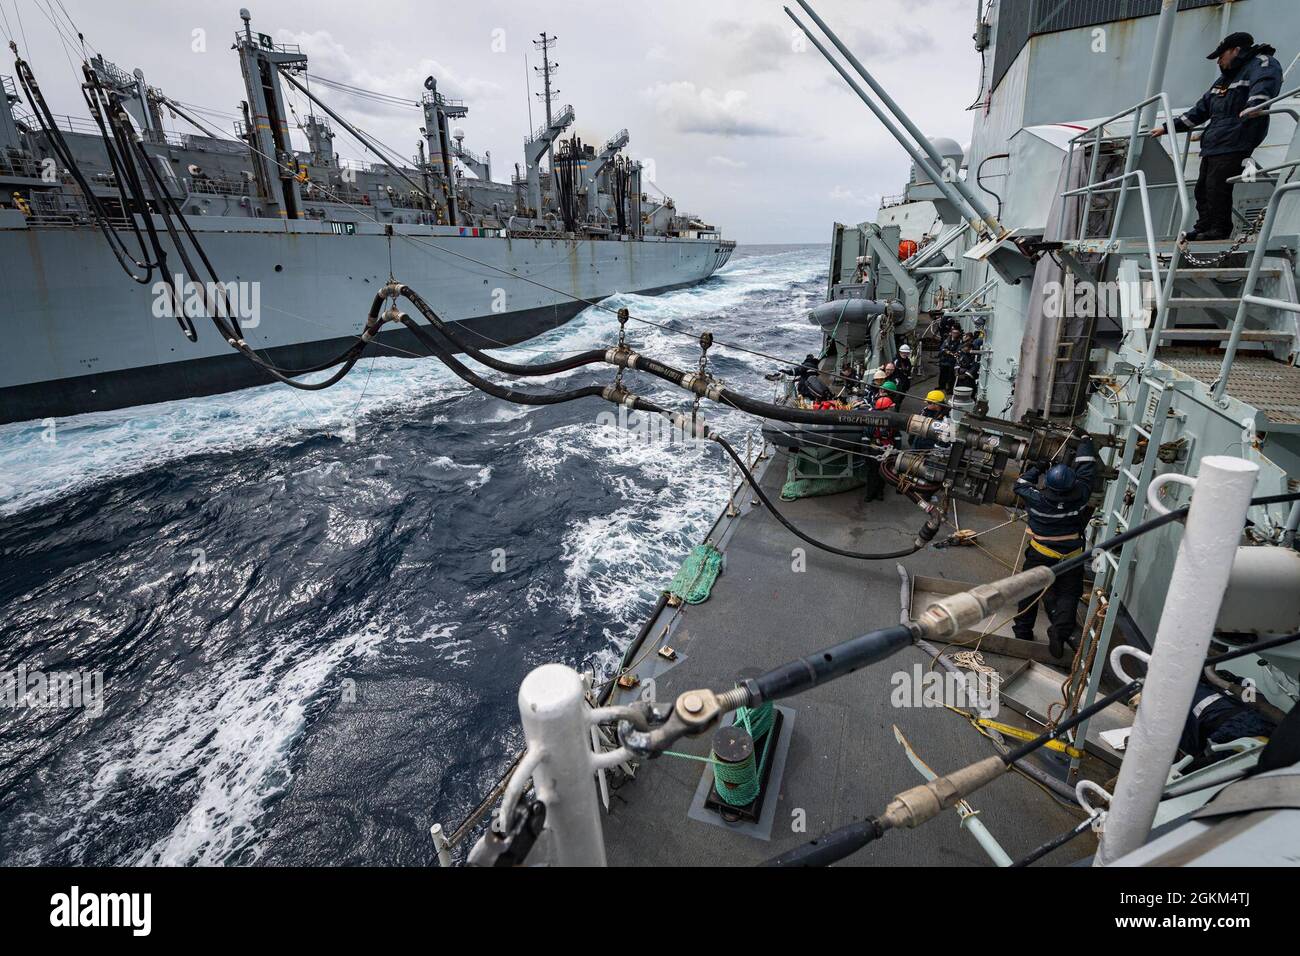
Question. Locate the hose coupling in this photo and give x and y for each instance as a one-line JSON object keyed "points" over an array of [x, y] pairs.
{"points": [[958, 612]]}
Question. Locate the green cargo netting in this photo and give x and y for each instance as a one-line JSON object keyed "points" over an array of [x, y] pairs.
{"points": [[694, 581], [796, 488], [816, 487]]}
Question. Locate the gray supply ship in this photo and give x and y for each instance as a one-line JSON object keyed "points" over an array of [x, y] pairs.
{"points": [[747, 722], [300, 240]]}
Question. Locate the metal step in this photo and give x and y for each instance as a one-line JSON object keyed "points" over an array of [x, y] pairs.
{"points": [[1203, 302], [1221, 272], [1222, 335]]}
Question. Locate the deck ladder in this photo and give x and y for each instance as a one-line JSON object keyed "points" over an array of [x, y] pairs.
{"points": [[1115, 572]]}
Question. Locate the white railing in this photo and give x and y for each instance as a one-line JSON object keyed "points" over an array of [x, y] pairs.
{"points": [[1248, 297], [1096, 135]]}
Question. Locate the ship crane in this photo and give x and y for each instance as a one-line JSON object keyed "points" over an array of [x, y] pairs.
{"points": [[603, 159], [535, 151], [138, 98]]}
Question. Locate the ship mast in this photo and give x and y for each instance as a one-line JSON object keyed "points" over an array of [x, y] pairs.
{"points": [[266, 130], [547, 69]]}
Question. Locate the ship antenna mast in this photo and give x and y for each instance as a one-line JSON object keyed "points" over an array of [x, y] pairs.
{"points": [[547, 69]]}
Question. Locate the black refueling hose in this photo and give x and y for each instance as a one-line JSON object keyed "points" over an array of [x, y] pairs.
{"points": [[814, 669], [923, 537], [439, 351], [447, 331], [54, 136], [701, 386], [450, 332], [444, 355]]}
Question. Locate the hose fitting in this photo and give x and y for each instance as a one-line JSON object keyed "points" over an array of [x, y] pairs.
{"points": [[957, 612]]}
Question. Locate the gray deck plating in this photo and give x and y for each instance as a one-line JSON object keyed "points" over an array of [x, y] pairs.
{"points": [[843, 762]]}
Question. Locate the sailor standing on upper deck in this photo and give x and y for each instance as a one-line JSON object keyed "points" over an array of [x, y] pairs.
{"points": [[1249, 76]]}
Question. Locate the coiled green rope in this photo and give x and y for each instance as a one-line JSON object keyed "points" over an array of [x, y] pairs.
{"points": [[739, 783], [736, 783]]}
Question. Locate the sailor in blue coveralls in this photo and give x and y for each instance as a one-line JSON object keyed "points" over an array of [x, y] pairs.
{"points": [[1058, 515]]}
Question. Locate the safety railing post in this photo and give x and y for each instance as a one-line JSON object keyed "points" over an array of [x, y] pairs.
{"points": [[441, 845], [1215, 520], [555, 715]]}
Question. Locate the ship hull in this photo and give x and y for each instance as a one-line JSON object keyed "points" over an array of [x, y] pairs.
{"points": [[83, 337]]}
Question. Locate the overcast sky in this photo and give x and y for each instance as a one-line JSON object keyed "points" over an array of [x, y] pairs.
{"points": [[745, 128]]}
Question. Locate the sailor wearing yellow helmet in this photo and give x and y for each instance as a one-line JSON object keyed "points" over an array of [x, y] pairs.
{"points": [[936, 406]]}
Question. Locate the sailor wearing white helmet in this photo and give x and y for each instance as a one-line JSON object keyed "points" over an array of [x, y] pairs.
{"points": [[903, 368]]}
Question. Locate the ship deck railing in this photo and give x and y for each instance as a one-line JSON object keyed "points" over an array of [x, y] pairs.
{"points": [[559, 120], [219, 187], [19, 166], [1248, 296], [1096, 134], [293, 48]]}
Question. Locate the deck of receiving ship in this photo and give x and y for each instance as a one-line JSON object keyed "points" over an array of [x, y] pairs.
{"points": [[843, 762]]}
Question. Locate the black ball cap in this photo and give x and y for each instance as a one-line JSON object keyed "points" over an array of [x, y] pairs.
{"points": [[1233, 40]]}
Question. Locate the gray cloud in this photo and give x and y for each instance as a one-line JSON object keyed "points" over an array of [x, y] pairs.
{"points": [[699, 85], [690, 109]]}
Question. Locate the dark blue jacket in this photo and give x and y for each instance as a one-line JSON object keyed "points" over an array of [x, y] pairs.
{"points": [[1255, 76], [1052, 514]]}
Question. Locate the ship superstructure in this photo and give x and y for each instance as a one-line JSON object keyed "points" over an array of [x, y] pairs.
{"points": [[736, 730], [303, 235]]}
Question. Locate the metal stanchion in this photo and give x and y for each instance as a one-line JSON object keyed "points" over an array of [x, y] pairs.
{"points": [[556, 724], [441, 844], [1200, 578]]}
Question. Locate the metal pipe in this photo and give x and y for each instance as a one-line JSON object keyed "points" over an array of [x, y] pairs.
{"points": [[1252, 279], [970, 299], [1200, 579], [946, 187], [972, 199], [554, 712], [934, 248], [1292, 525], [1160, 56]]}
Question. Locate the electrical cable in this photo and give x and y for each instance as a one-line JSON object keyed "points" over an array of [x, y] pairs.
{"points": [[979, 172], [1053, 844], [1178, 514]]}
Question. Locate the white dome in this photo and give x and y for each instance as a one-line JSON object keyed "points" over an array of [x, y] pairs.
{"points": [[949, 149]]}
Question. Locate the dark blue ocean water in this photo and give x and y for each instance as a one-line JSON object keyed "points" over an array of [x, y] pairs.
{"points": [[312, 612]]}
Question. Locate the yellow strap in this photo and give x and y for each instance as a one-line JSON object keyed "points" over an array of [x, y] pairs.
{"points": [[1045, 550], [1019, 734]]}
